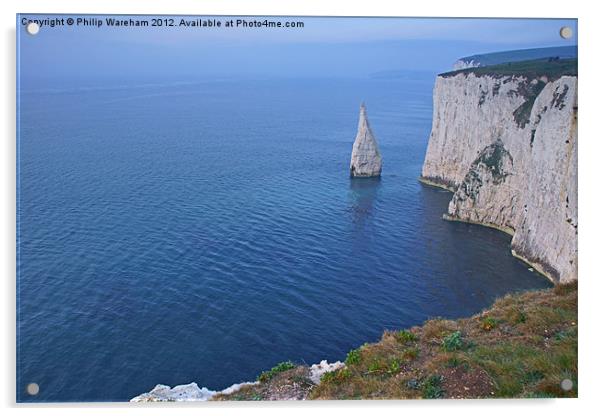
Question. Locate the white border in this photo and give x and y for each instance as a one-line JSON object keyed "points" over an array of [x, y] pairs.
{"points": [[590, 166]]}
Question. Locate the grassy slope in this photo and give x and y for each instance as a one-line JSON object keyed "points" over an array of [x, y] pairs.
{"points": [[523, 346], [553, 69]]}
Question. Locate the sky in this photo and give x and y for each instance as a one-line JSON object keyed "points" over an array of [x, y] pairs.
{"points": [[323, 47]]}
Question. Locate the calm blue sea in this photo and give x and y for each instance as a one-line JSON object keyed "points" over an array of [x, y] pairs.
{"points": [[207, 231]]}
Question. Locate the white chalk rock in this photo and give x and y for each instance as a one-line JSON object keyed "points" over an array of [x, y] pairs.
{"points": [[365, 156], [507, 147], [316, 371], [184, 393]]}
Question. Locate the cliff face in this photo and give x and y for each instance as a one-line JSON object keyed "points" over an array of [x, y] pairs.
{"points": [[506, 145]]}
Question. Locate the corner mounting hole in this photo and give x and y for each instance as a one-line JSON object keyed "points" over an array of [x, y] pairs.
{"points": [[566, 32], [566, 384], [33, 389], [32, 28]]}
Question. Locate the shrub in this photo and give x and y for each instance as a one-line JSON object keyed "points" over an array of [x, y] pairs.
{"points": [[431, 388], [353, 357], [489, 323], [453, 362], [279, 368], [533, 376], [335, 376], [404, 336], [394, 366], [453, 342], [375, 366], [521, 317]]}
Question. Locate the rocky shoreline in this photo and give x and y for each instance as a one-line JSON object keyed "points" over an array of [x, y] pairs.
{"points": [[535, 266]]}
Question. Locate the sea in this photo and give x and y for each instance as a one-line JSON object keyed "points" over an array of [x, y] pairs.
{"points": [[206, 230]]}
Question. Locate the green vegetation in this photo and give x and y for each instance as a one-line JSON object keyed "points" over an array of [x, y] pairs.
{"points": [[535, 75], [353, 357], [404, 336], [530, 91], [453, 342], [431, 388], [493, 157], [493, 58], [453, 362], [493, 160], [376, 366], [524, 346], [279, 368], [533, 131], [395, 366], [488, 323], [335, 376], [496, 88], [551, 68], [558, 100]]}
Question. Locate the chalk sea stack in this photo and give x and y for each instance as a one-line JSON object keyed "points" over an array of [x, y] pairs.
{"points": [[366, 161]]}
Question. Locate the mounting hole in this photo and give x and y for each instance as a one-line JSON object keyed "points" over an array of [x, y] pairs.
{"points": [[566, 32], [33, 389], [566, 384], [32, 28]]}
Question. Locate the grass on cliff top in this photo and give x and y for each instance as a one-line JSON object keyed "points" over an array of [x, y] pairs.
{"points": [[552, 68], [279, 368], [524, 346]]}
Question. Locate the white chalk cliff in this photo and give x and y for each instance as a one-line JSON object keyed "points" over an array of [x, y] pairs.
{"points": [[365, 156], [506, 145]]}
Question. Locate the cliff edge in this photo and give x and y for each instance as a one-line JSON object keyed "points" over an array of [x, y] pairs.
{"points": [[524, 346], [504, 140], [517, 55]]}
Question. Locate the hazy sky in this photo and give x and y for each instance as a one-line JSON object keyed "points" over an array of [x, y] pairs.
{"points": [[331, 47]]}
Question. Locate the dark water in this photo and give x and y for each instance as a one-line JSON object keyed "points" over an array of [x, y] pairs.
{"points": [[205, 232]]}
